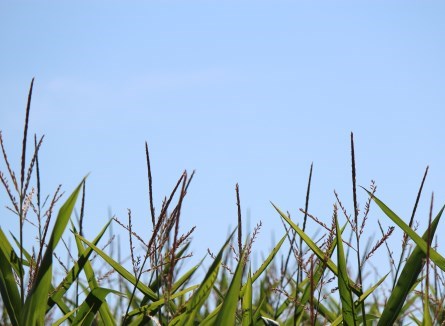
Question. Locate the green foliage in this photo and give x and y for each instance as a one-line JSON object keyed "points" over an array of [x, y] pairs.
{"points": [[316, 282]]}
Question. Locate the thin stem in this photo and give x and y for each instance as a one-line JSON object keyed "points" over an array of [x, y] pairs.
{"points": [[82, 212], [238, 204], [22, 195], [150, 188], [306, 208], [427, 280], [156, 229]]}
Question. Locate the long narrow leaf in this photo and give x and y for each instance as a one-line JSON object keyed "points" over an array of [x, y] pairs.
{"points": [[9, 291], [320, 254], [104, 309], [227, 313], [121, 270], [89, 308], [199, 297], [74, 272], [438, 259], [155, 305], [265, 264], [407, 278], [247, 302], [315, 281], [362, 298], [10, 255], [347, 303], [35, 304]]}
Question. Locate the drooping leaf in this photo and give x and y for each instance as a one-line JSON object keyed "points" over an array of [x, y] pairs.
{"points": [[316, 250], [410, 272], [435, 257], [121, 270]]}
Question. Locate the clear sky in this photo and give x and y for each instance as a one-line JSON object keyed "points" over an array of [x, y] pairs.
{"points": [[242, 91]]}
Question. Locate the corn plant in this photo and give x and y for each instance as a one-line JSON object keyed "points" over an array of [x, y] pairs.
{"points": [[306, 279]]}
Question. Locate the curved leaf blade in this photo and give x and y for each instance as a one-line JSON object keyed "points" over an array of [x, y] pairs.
{"points": [[34, 311], [408, 278], [347, 303], [227, 314]]}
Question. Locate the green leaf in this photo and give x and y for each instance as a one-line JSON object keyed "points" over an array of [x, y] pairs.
{"points": [[362, 298], [104, 310], [368, 292], [317, 251], [438, 259], [91, 305], [185, 278], [427, 321], [368, 317], [411, 270], [154, 305], [266, 263], [159, 280], [72, 275], [227, 314], [35, 304], [199, 297], [321, 267], [68, 315], [9, 291], [209, 320], [11, 257], [121, 270], [247, 302], [347, 303]]}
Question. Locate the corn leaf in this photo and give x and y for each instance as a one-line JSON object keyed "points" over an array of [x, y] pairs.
{"points": [[69, 315], [104, 310], [438, 259], [227, 314], [247, 302], [321, 267], [154, 305], [9, 290], [320, 254], [199, 297], [121, 270], [185, 278], [427, 321], [72, 275], [35, 307], [347, 303], [409, 274], [266, 263], [11, 257], [362, 298], [88, 309]]}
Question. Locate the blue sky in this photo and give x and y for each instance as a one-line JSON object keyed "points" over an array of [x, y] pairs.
{"points": [[242, 91]]}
